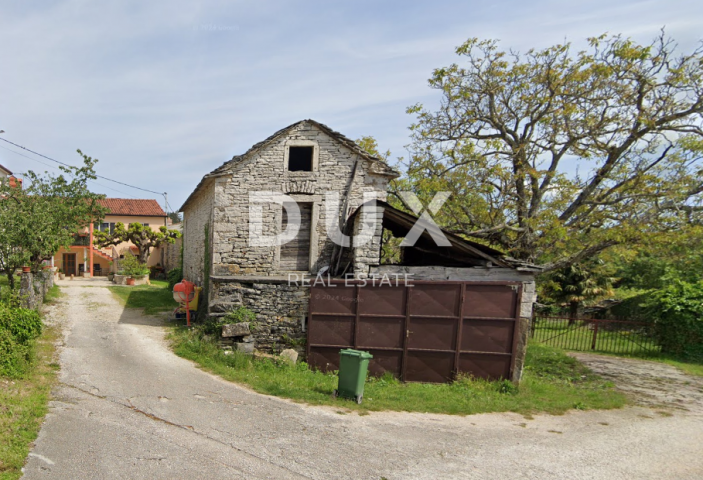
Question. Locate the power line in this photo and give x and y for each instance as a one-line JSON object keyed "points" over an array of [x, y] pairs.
{"points": [[51, 166], [67, 165]]}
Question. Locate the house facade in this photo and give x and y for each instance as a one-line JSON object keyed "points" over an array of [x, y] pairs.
{"points": [[83, 256], [303, 161]]}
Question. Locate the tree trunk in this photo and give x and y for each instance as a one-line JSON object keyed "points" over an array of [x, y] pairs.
{"points": [[573, 312], [143, 254], [11, 278]]}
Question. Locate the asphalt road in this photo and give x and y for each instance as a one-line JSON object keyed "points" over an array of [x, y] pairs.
{"points": [[127, 408]]}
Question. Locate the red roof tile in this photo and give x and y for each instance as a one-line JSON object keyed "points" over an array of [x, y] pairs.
{"points": [[127, 206]]}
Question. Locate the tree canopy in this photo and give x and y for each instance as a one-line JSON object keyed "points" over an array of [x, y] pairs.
{"points": [[144, 238], [45, 214], [555, 155]]}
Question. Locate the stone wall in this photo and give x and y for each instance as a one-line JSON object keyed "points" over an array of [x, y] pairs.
{"points": [[34, 287], [481, 274], [280, 309], [195, 218], [172, 254]]}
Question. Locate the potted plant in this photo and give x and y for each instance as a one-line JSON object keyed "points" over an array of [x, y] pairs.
{"points": [[134, 269], [61, 274]]}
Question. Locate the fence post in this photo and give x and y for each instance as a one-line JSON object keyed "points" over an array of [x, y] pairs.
{"points": [[532, 325], [595, 335]]}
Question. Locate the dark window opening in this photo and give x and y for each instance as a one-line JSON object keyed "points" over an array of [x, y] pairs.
{"points": [[300, 159]]}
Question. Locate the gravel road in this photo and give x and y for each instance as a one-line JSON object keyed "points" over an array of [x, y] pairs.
{"points": [[128, 408]]}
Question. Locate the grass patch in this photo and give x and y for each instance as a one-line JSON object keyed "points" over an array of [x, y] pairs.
{"points": [[23, 404], [552, 383], [153, 298], [53, 295]]}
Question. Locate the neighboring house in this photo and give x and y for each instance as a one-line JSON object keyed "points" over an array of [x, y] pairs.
{"points": [[304, 161], [6, 173], [83, 256]]}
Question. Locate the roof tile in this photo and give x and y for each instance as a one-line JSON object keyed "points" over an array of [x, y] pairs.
{"points": [[133, 207]]}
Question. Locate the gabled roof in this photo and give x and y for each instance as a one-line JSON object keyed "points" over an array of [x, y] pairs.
{"points": [[8, 172], [381, 168], [133, 207]]}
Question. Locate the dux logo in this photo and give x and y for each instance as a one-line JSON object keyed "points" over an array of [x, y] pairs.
{"points": [[264, 234], [425, 222]]}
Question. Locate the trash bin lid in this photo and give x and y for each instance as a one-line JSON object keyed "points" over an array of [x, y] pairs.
{"points": [[355, 353]]}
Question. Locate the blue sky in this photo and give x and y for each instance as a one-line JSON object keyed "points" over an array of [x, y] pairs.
{"points": [[162, 92]]}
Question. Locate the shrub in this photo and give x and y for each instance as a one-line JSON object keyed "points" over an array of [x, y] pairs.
{"points": [[133, 267], [14, 357], [239, 315], [22, 323], [678, 313], [173, 277]]}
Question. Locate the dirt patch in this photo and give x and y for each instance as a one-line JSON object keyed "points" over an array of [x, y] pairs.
{"points": [[650, 384]]}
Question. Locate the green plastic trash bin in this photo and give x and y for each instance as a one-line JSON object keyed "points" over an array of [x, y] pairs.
{"points": [[353, 365]]}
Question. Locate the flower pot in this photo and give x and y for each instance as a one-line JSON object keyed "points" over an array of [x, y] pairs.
{"points": [[130, 281], [110, 276], [61, 276], [26, 269]]}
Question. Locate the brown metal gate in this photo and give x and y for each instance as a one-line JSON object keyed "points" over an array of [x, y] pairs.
{"points": [[421, 333]]}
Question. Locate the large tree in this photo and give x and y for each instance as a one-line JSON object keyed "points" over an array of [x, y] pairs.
{"points": [[45, 214], [144, 238], [556, 155]]}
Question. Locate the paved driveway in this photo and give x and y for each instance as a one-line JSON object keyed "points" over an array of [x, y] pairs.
{"points": [[126, 407]]}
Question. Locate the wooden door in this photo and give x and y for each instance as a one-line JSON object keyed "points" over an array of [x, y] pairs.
{"points": [[69, 263], [295, 255]]}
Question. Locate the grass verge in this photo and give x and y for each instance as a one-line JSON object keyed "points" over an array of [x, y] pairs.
{"points": [[23, 405], [552, 383], [152, 298]]}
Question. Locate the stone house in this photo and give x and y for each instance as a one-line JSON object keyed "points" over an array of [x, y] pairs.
{"points": [[305, 161]]}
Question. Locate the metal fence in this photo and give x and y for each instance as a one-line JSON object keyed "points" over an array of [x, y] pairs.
{"points": [[592, 334]]}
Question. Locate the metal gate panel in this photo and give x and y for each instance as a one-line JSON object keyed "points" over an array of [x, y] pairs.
{"points": [[325, 359], [488, 366], [431, 367], [490, 301], [338, 299], [332, 330], [432, 333], [441, 299], [486, 335], [384, 361], [424, 332], [384, 332], [382, 300]]}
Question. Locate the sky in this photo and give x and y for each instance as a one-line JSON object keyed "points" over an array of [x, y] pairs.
{"points": [[162, 92]]}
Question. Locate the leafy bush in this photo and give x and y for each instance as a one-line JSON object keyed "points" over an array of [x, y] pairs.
{"points": [[14, 357], [22, 323], [239, 315], [131, 266], [678, 313], [173, 277]]}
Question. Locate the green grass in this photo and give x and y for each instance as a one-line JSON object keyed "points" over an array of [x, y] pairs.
{"points": [[691, 368], [552, 383], [23, 405], [53, 294], [152, 298]]}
